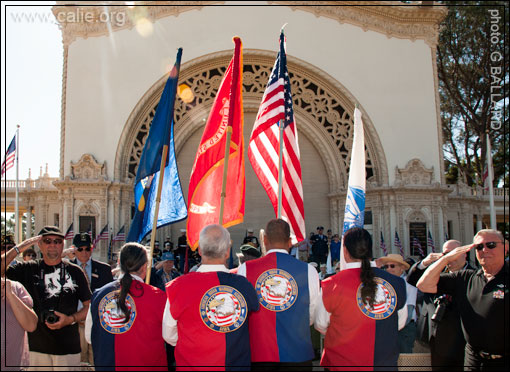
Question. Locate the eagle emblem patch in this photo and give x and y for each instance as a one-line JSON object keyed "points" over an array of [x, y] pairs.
{"points": [[277, 290], [385, 301], [223, 309], [112, 318]]}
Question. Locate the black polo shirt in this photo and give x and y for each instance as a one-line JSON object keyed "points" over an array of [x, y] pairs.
{"points": [[483, 306]]}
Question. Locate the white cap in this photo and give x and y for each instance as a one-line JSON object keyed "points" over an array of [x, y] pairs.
{"points": [[183, 230]]}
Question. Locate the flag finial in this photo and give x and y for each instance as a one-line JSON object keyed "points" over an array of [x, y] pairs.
{"points": [[281, 30]]}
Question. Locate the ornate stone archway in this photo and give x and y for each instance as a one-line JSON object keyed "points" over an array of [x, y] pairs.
{"points": [[322, 108]]}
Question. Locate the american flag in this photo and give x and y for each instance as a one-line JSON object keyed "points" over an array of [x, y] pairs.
{"points": [[417, 246], [69, 233], [89, 231], [430, 243], [399, 245], [264, 147], [103, 235], [383, 246], [121, 236], [10, 156]]}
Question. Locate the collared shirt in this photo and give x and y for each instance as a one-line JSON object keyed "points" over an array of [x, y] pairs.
{"points": [[87, 269], [169, 323]]}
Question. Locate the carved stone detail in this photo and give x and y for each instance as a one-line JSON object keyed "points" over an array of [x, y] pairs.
{"points": [[402, 19], [315, 100], [88, 169], [414, 174]]}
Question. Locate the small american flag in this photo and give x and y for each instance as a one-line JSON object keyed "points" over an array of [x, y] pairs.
{"points": [[121, 236], [264, 147], [430, 243], [383, 246], [417, 246], [69, 233], [89, 231], [10, 156], [103, 235], [399, 245]]}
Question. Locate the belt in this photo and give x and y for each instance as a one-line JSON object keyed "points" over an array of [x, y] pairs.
{"points": [[486, 355]]}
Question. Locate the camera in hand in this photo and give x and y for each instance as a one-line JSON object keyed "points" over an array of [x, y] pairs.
{"points": [[49, 316], [441, 303]]}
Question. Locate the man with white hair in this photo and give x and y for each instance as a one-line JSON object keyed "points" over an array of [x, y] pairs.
{"points": [[206, 314], [482, 298]]}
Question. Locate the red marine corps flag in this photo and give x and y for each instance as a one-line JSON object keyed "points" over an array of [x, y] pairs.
{"points": [[205, 186]]}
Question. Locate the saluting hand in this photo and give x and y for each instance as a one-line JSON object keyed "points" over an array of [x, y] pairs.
{"points": [[431, 258]]}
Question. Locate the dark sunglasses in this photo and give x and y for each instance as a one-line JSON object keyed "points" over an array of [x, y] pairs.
{"points": [[88, 249], [54, 241], [489, 245], [31, 255], [390, 266]]}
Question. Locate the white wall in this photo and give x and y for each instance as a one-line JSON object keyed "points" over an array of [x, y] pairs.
{"points": [[392, 79]]}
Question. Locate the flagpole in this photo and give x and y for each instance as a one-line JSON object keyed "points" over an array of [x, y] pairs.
{"points": [[156, 211], [225, 172], [491, 186], [17, 226], [280, 171], [233, 94]]}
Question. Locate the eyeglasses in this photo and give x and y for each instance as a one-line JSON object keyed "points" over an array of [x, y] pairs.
{"points": [[31, 255], [52, 241], [489, 245], [81, 249], [392, 266]]}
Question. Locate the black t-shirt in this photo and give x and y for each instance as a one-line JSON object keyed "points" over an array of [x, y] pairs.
{"points": [[483, 306], [58, 288]]}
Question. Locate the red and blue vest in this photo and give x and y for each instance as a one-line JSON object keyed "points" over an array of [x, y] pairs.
{"points": [[280, 330], [211, 310], [132, 345]]}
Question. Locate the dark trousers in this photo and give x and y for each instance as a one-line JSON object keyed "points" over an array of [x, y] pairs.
{"points": [[282, 366], [474, 362], [443, 359]]}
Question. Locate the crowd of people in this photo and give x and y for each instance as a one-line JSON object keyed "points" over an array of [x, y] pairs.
{"points": [[198, 313]]}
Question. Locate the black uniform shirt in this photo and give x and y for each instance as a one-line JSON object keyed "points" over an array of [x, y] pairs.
{"points": [[483, 306]]}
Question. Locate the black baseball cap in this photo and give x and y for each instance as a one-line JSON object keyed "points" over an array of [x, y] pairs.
{"points": [[51, 230], [81, 240]]}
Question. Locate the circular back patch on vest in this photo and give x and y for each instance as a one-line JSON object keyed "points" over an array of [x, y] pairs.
{"points": [[277, 290], [385, 300], [112, 318], [223, 309]]}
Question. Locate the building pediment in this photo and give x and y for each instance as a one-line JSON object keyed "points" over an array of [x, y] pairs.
{"points": [[414, 174], [88, 169]]}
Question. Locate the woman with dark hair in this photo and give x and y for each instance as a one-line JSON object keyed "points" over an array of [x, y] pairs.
{"points": [[124, 322], [359, 312]]}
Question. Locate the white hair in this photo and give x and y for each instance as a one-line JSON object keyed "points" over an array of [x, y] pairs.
{"points": [[491, 231], [214, 241]]}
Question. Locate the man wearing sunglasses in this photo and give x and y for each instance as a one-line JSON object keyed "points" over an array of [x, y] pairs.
{"points": [[439, 321], [482, 298], [56, 286], [98, 275]]}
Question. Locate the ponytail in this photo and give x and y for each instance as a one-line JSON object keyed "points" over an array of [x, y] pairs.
{"points": [[358, 243], [132, 257]]}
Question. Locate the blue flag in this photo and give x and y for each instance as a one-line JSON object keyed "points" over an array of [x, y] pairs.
{"points": [[172, 207]]}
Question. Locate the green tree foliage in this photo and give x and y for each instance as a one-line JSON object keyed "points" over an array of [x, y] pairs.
{"points": [[468, 60]]}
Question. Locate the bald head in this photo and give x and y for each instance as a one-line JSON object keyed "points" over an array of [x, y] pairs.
{"points": [[460, 262]]}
